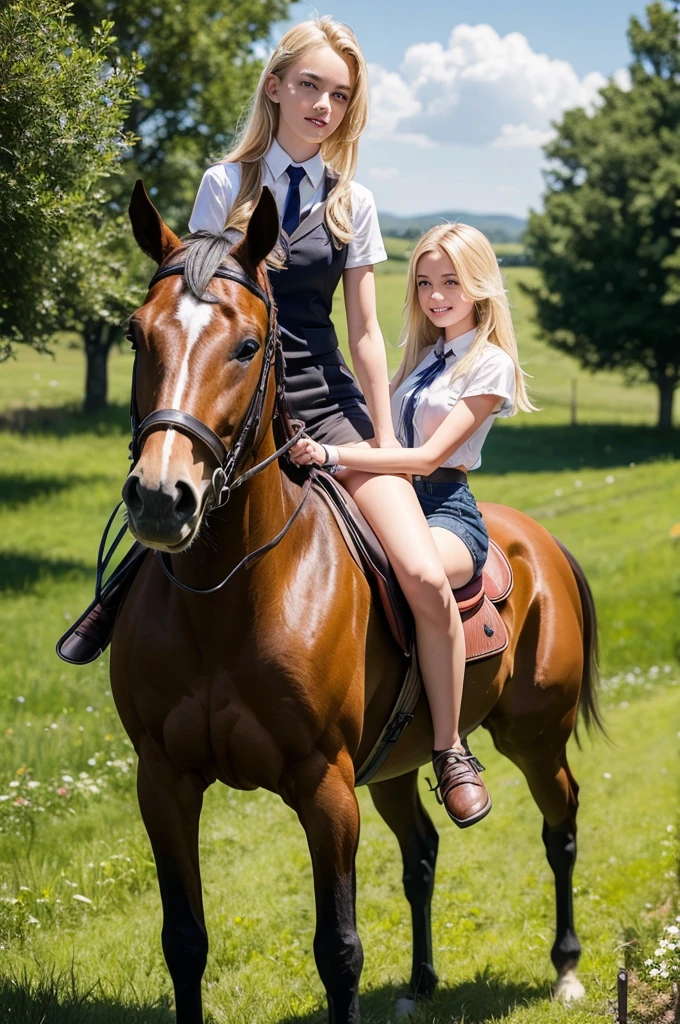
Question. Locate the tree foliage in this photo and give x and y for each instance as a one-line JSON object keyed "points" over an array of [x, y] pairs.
{"points": [[608, 241], [62, 104], [201, 65]]}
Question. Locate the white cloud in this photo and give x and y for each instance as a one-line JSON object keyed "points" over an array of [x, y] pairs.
{"points": [[480, 89], [384, 173], [521, 136], [623, 80]]}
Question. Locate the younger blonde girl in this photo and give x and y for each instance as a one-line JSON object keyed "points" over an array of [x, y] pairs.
{"points": [[460, 370]]}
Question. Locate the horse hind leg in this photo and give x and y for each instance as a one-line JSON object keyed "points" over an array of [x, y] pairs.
{"points": [[324, 798], [399, 805], [555, 791]]}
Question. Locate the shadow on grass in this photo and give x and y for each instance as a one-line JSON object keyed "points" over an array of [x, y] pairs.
{"points": [[17, 489], [20, 572], [49, 1001], [66, 420], [541, 449], [483, 998]]}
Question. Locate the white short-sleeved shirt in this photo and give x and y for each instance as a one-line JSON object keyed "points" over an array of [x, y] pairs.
{"points": [[220, 186], [492, 374]]}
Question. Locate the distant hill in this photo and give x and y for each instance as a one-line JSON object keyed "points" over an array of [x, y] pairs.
{"points": [[498, 227]]}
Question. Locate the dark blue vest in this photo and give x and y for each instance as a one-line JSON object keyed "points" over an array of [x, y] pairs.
{"points": [[304, 290]]}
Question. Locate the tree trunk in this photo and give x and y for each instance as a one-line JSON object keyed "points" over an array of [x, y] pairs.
{"points": [[98, 338], [667, 386]]}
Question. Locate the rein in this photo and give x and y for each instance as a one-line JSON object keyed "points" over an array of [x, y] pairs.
{"points": [[227, 458]]}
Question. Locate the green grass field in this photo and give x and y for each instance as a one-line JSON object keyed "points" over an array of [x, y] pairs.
{"points": [[79, 910]]}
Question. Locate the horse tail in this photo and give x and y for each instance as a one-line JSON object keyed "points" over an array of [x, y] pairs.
{"points": [[588, 702]]}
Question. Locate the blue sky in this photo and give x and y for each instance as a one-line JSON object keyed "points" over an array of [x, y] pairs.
{"points": [[462, 93]]}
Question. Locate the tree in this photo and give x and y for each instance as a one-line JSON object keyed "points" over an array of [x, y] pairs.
{"points": [[200, 68], [608, 241], [62, 104]]}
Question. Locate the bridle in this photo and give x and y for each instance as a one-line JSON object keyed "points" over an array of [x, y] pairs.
{"points": [[222, 482]]}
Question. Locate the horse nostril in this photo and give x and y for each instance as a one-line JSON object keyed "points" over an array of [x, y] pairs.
{"points": [[131, 495], [185, 503]]}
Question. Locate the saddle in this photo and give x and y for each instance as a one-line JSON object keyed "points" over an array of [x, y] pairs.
{"points": [[485, 632]]}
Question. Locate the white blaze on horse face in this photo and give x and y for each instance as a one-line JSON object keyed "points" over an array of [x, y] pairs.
{"points": [[194, 316]]}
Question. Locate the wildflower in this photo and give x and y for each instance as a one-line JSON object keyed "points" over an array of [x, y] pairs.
{"points": [[609, 479], [21, 700], [607, 775], [66, 778], [21, 802], [14, 784], [81, 899], [673, 929], [54, 726], [62, 791], [675, 531]]}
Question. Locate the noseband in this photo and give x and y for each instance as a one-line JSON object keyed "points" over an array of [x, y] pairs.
{"points": [[227, 458]]}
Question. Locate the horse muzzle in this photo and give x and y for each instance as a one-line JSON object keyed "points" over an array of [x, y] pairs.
{"points": [[166, 518]]}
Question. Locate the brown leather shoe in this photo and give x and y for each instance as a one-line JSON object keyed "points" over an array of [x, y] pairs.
{"points": [[461, 789]]}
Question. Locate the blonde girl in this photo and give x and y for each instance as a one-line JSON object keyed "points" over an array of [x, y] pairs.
{"points": [[460, 370]]}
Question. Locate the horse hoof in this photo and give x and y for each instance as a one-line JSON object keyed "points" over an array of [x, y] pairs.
{"points": [[404, 1008], [569, 988]]}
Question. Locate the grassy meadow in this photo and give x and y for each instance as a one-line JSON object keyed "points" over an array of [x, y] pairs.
{"points": [[79, 908]]}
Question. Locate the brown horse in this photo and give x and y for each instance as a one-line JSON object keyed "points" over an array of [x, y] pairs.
{"points": [[284, 676]]}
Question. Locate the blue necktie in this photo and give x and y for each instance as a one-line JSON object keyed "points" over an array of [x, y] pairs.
{"points": [[405, 431], [291, 211]]}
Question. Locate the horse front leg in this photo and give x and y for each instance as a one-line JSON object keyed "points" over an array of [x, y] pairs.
{"points": [[171, 802], [324, 799]]}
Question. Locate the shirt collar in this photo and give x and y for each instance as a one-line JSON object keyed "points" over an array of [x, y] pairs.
{"points": [[459, 345], [278, 161]]}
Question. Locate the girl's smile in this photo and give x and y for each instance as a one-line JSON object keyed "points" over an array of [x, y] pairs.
{"points": [[441, 297]]}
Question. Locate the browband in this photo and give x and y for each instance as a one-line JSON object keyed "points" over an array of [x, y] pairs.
{"points": [[228, 273]]}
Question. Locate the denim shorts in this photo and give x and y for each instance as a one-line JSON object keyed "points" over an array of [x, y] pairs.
{"points": [[452, 507]]}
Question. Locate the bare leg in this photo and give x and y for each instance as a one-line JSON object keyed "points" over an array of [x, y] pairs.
{"points": [[329, 814], [171, 806], [390, 505]]}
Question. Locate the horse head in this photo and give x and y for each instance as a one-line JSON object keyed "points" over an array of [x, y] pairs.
{"points": [[200, 344]]}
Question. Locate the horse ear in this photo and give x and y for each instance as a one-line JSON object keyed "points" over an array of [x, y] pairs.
{"points": [[152, 234], [262, 233]]}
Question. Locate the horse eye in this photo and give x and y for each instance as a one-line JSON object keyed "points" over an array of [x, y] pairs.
{"points": [[246, 350]]}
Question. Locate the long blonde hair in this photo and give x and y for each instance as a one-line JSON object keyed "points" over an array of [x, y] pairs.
{"points": [[480, 278], [340, 150]]}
